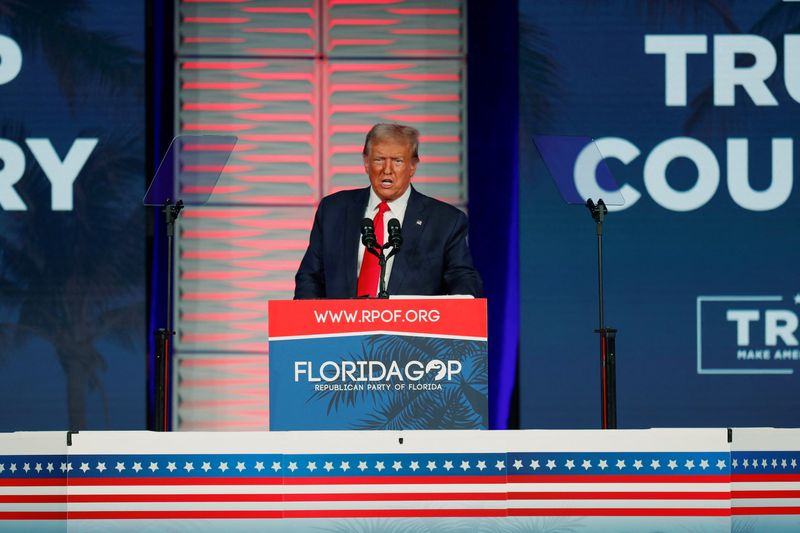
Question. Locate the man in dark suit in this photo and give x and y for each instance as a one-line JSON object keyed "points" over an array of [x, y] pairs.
{"points": [[434, 258]]}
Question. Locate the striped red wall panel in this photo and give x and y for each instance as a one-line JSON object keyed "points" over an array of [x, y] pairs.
{"points": [[222, 391], [425, 94], [232, 28], [231, 260], [272, 107], [388, 28]]}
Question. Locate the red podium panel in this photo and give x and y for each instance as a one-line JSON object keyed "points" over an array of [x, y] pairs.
{"points": [[417, 363]]}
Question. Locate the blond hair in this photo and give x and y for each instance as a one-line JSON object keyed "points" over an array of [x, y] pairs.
{"points": [[397, 132]]}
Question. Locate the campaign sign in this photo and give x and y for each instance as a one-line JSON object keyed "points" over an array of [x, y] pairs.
{"points": [[378, 364], [747, 334]]}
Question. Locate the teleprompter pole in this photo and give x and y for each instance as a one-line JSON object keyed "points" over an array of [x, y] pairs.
{"points": [[163, 336], [608, 380]]}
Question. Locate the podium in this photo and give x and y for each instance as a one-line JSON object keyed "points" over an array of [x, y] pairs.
{"points": [[386, 364]]}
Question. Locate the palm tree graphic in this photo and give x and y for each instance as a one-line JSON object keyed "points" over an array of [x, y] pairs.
{"points": [[73, 278]]}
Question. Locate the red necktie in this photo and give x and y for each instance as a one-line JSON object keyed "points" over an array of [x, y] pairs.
{"points": [[370, 274]]}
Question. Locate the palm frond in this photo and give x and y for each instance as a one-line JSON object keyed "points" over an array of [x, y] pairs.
{"points": [[540, 84], [701, 12], [77, 55], [779, 20], [476, 399], [397, 413], [443, 409], [388, 349], [449, 411], [74, 292]]}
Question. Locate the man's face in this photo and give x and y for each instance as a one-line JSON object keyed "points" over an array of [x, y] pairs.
{"points": [[390, 165]]}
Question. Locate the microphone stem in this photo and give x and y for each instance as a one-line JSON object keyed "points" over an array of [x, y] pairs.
{"points": [[382, 262]]}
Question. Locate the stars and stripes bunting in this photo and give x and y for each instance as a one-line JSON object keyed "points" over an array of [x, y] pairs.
{"points": [[369, 485], [116, 477]]}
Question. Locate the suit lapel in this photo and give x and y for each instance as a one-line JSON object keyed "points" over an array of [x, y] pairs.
{"points": [[355, 214], [412, 231]]}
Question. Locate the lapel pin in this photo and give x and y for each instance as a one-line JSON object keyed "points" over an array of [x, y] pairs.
{"points": [[419, 222]]}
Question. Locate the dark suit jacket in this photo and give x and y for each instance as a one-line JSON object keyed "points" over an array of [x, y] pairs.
{"points": [[434, 258]]}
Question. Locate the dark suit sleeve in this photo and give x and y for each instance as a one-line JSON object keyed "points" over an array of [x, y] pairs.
{"points": [[460, 276], [309, 282]]}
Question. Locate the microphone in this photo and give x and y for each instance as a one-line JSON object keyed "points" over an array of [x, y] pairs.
{"points": [[368, 234], [395, 236]]}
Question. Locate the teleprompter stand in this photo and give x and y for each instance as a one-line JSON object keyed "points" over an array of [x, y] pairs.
{"points": [[189, 170], [163, 336], [579, 171]]}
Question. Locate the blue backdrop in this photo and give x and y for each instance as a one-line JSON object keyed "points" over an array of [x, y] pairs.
{"points": [[695, 112], [71, 220]]}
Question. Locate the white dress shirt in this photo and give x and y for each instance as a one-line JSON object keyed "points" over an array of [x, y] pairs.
{"points": [[397, 209]]}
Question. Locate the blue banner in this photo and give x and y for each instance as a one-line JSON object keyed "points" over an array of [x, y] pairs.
{"points": [[694, 108], [71, 221]]}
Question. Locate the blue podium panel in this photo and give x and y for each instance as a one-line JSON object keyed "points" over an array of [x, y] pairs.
{"points": [[378, 364]]}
